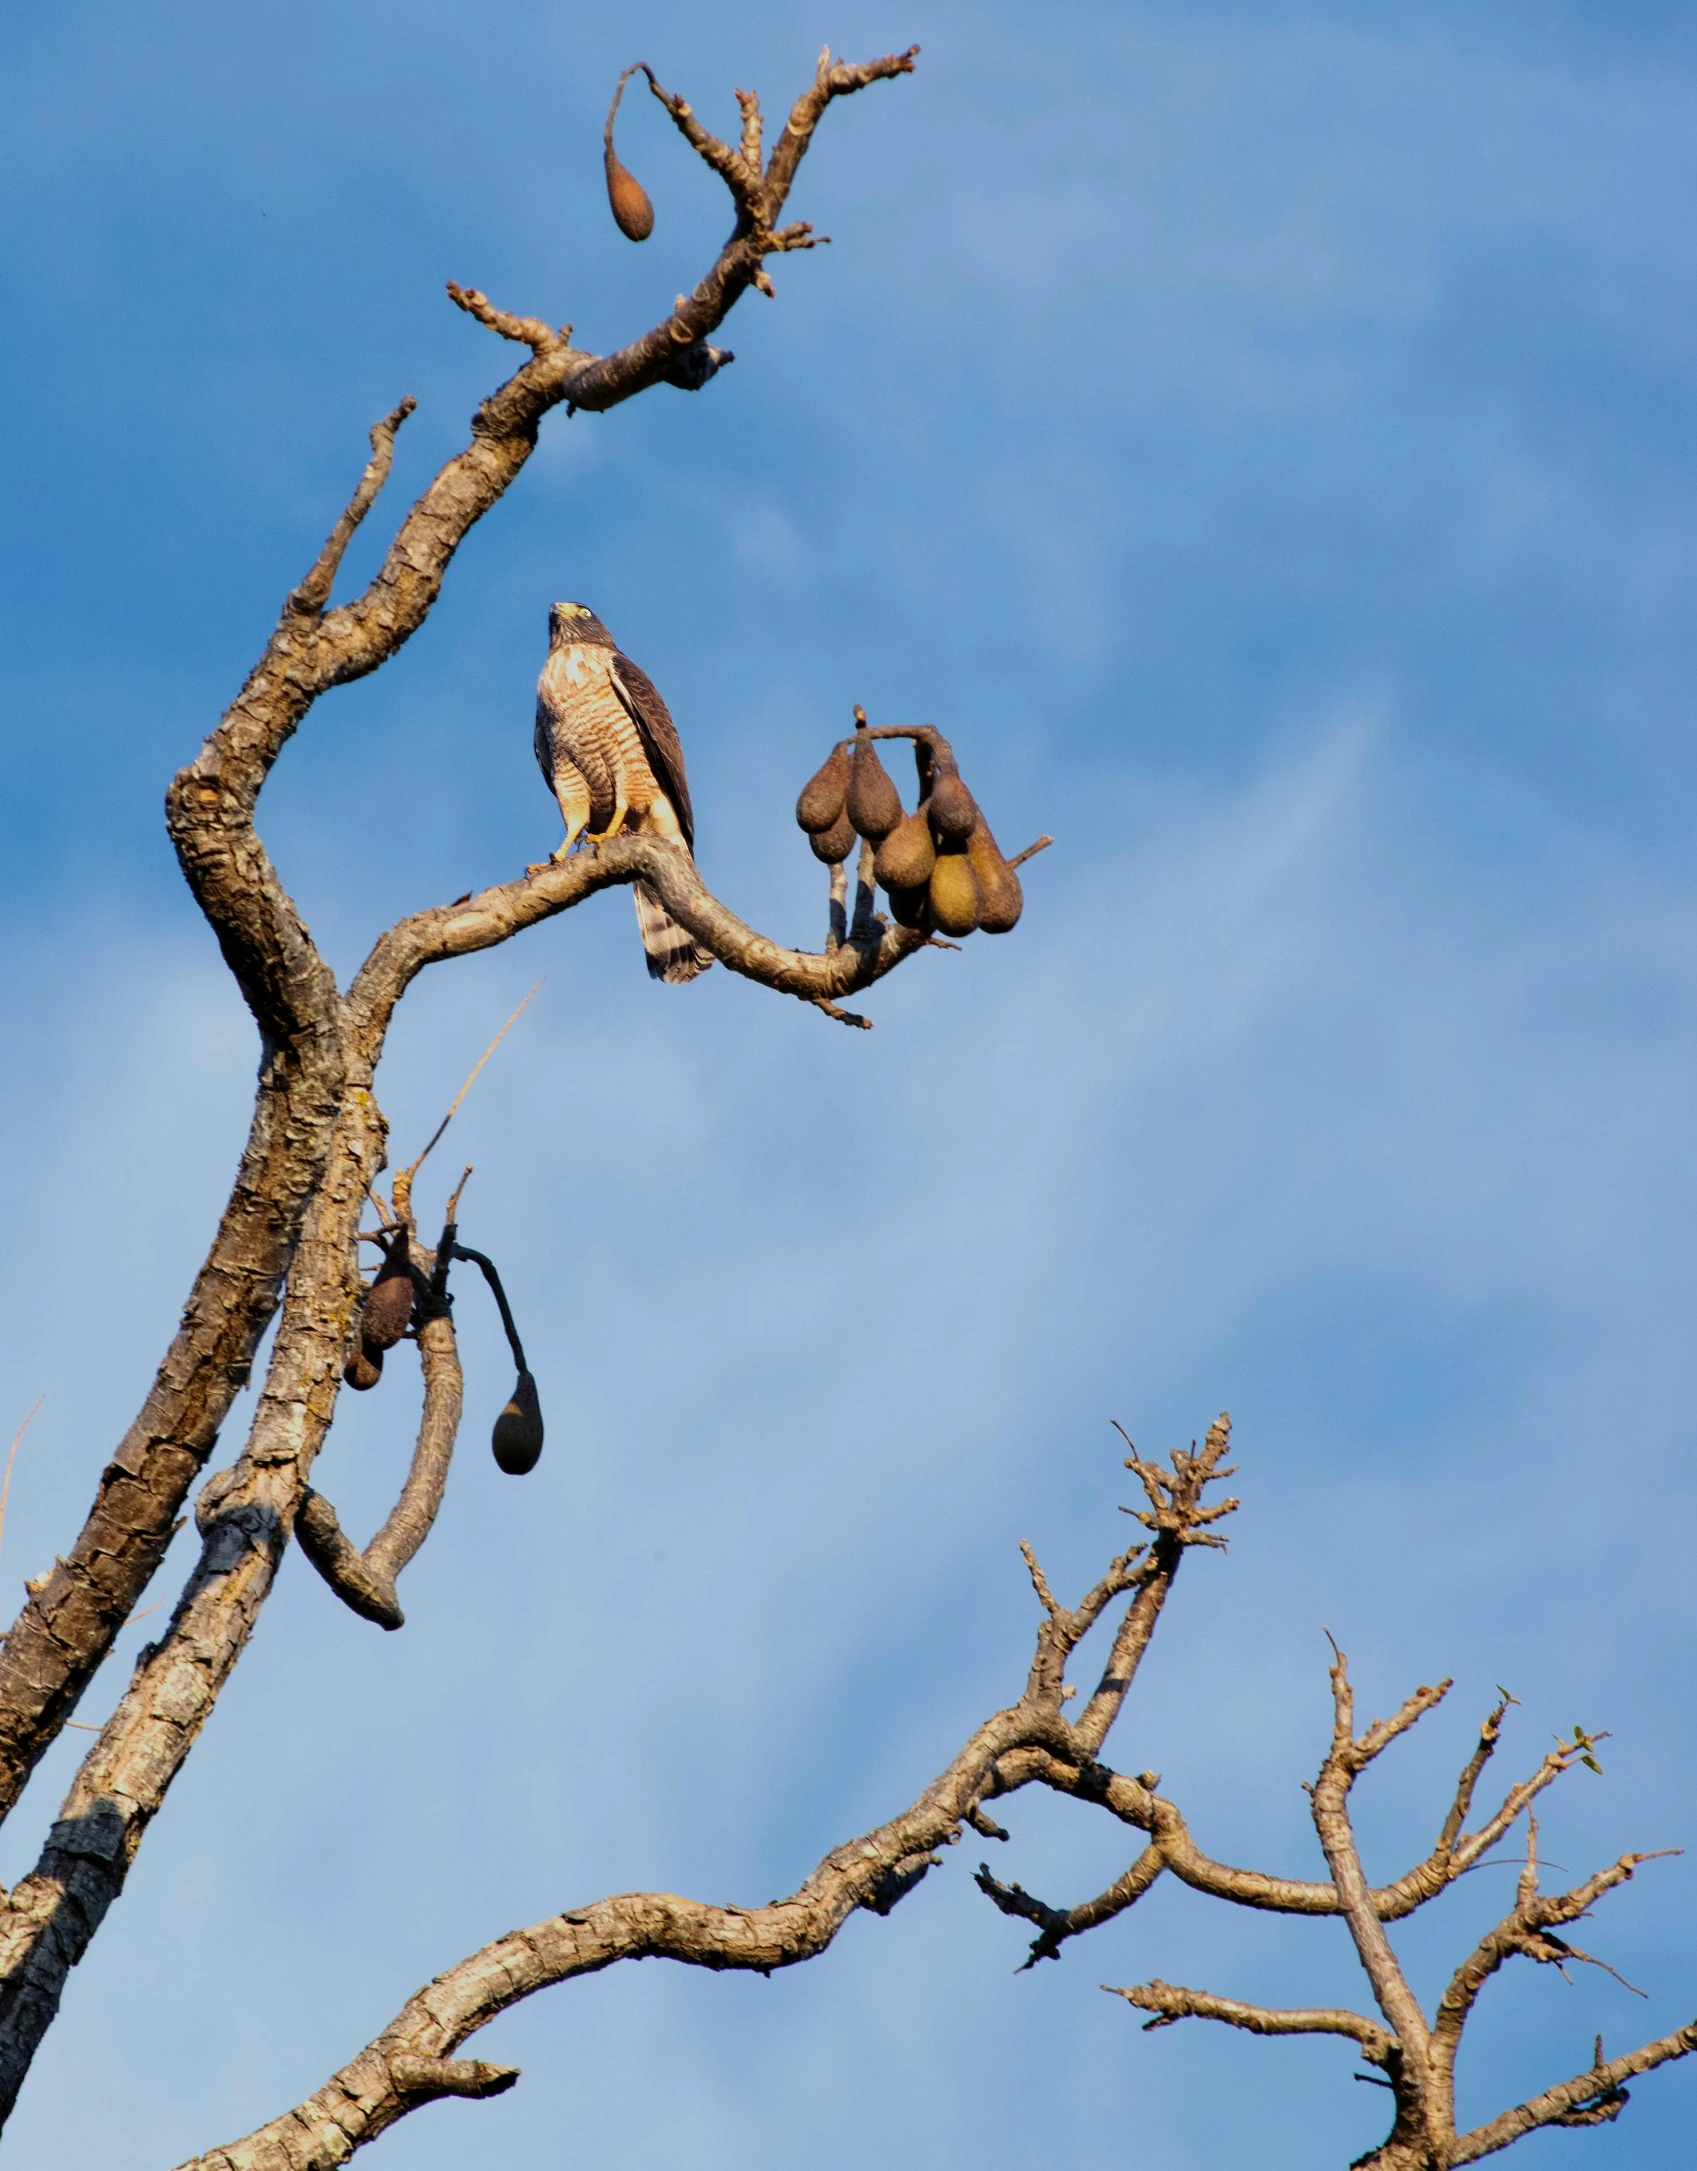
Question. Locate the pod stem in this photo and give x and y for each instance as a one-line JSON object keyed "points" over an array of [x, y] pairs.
{"points": [[433, 1296], [612, 110], [487, 1267], [930, 749]]}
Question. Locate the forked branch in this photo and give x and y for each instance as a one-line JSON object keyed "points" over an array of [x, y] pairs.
{"points": [[312, 1065], [1418, 2058], [1025, 1743]]}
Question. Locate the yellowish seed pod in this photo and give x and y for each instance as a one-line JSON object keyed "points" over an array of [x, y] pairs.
{"points": [[1001, 899], [907, 855], [955, 902]]}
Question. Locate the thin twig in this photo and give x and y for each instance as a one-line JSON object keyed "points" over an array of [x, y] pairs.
{"points": [[403, 1182], [451, 1213], [11, 1457]]}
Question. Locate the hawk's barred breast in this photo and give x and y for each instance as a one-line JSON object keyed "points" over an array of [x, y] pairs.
{"points": [[609, 751], [581, 720]]}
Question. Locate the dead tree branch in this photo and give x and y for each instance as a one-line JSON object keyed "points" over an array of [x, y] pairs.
{"points": [[1589, 2099], [366, 1581], [1169, 2003], [874, 1873], [313, 594], [318, 1141], [1417, 2057]]}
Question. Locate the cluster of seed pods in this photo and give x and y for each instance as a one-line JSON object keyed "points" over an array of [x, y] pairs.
{"points": [[392, 1307], [939, 866]]}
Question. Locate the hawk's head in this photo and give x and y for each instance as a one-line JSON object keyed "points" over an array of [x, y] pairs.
{"points": [[577, 624]]}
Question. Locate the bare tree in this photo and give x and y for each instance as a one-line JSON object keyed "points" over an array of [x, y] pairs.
{"points": [[1417, 2057], [287, 1244]]}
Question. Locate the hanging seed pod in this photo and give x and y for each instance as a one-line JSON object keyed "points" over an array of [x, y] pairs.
{"points": [[834, 843], [874, 804], [517, 1437], [387, 1313], [911, 907], [955, 902], [1001, 899], [907, 855], [820, 806], [363, 1369], [952, 810], [633, 214]]}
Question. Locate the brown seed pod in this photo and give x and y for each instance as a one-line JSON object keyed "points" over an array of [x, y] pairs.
{"points": [[952, 810], [633, 214], [387, 1312], [834, 843], [874, 804], [907, 855], [363, 1369], [911, 907], [955, 903], [517, 1437], [822, 796], [1001, 899]]}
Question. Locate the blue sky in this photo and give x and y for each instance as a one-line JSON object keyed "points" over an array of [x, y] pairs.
{"points": [[1263, 439]]}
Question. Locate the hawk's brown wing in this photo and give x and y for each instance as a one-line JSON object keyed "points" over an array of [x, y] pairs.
{"points": [[659, 736]]}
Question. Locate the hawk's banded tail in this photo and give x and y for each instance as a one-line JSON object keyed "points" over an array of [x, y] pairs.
{"points": [[673, 952]]}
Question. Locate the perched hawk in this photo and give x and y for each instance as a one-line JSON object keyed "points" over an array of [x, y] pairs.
{"points": [[610, 754]]}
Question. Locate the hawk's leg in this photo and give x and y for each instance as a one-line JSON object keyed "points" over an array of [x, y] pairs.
{"points": [[604, 836], [661, 819], [571, 790]]}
